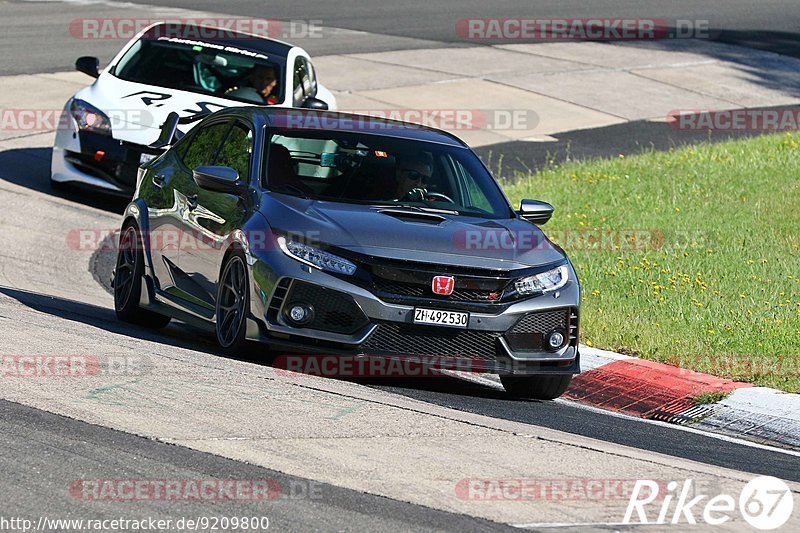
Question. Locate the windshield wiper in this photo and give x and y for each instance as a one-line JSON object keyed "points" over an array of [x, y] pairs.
{"points": [[417, 208], [393, 204]]}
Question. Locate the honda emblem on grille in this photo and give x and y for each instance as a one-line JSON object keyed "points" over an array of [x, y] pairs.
{"points": [[443, 285]]}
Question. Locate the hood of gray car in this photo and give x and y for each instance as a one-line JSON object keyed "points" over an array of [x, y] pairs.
{"points": [[395, 232]]}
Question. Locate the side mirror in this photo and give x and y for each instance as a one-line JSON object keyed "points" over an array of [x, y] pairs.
{"points": [[535, 211], [315, 103], [88, 65], [219, 179], [169, 132]]}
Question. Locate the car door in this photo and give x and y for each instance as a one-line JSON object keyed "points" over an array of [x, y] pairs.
{"points": [[217, 214], [162, 237], [202, 151]]}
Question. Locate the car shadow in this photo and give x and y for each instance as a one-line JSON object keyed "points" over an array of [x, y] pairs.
{"points": [[180, 335], [176, 334], [30, 168], [439, 384]]}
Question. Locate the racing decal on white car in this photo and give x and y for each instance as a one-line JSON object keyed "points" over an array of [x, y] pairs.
{"points": [[148, 97], [148, 100]]}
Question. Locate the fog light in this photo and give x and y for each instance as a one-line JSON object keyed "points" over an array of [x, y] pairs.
{"points": [[300, 313], [555, 340]]}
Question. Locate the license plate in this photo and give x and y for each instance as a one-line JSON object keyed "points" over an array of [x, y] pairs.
{"points": [[145, 158], [453, 319]]}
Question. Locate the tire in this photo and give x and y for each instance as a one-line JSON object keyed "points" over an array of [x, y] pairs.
{"points": [[536, 387], [128, 282], [233, 304]]}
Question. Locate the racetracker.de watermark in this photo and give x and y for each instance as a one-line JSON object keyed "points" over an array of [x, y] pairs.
{"points": [[359, 366], [71, 366], [491, 240], [739, 366], [554, 490], [136, 490], [211, 28], [775, 119], [451, 119], [579, 29], [496, 240], [36, 120], [107, 239]]}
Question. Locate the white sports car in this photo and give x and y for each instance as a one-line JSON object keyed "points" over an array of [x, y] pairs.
{"points": [[106, 128]]}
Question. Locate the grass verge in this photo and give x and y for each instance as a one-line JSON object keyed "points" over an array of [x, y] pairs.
{"points": [[711, 397], [690, 257]]}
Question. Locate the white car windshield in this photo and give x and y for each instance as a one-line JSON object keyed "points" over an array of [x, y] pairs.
{"points": [[205, 68]]}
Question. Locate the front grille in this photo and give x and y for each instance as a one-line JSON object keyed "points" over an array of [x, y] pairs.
{"points": [[404, 339], [528, 334], [334, 311], [399, 288], [395, 280], [121, 174]]}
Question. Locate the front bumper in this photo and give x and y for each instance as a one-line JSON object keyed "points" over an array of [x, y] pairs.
{"points": [[97, 160], [353, 320]]}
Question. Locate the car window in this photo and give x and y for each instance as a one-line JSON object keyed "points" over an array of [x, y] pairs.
{"points": [[236, 151], [475, 197], [312, 78], [198, 67], [203, 148], [302, 82], [376, 169]]}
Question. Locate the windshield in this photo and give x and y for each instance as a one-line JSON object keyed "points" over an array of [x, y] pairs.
{"points": [[381, 170], [204, 67]]}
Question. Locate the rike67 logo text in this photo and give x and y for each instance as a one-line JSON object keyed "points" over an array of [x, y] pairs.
{"points": [[765, 503]]}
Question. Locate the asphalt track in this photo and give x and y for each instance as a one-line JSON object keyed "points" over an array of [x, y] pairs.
{"points": [[34, 441], [766, 24], [772, 25]]}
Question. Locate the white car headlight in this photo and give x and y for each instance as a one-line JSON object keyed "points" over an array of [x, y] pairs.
{"points": [[545, 282], [89, 117], [315, 257]]}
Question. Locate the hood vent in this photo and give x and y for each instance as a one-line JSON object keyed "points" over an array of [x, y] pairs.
{"points": [[414, 216]]}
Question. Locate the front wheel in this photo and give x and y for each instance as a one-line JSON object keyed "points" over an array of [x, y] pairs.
{"points": [[233, 304], [536, 387], [128, 282]]}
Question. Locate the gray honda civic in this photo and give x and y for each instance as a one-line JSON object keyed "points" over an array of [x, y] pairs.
{"points": [[322, 233]]}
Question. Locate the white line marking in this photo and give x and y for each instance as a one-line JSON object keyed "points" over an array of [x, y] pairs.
{"points": [[725, 438], [544, 525]]}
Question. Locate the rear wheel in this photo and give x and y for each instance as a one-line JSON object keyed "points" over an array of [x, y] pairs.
{"points": [[536, 387], [233, 304], [128, 282]]}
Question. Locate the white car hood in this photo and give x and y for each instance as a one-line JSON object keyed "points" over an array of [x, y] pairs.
{"points": [[137, 111]]}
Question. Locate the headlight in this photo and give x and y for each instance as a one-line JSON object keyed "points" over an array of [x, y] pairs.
{"points": [[545, 282], [315, 257], [89, 117]]}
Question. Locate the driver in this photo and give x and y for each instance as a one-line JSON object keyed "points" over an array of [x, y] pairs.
{"points": [[261, 83], [412, 174]]}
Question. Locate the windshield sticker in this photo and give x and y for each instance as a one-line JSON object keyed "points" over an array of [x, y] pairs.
{"points": [[231, 49]]}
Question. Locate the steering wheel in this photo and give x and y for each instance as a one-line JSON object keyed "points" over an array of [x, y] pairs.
{"points": [[439, 196]]}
